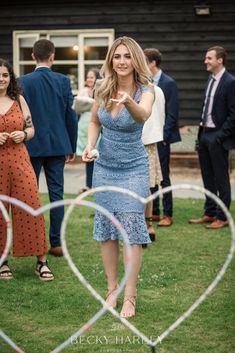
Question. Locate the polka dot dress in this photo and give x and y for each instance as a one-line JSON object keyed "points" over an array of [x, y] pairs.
{"points": [[18, 180]]}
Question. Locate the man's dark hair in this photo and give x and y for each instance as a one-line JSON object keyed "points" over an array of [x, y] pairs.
{"points": [[220, 53], [153, 54], [42, 49]]}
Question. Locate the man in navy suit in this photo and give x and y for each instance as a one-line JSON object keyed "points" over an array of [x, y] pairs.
{"points": [[170, 134], [216, 137], [50, 100]]}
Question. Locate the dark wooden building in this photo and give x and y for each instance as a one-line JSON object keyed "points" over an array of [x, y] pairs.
{"points": [[172, 26]]}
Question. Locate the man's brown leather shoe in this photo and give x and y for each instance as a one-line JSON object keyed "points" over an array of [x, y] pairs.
{"points": [[155, 218], [56, 251], [166, 221], [203, 219], [217, 224]]}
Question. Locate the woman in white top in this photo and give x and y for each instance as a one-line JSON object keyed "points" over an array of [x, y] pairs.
{"points": [[151, 134], [83, 103]]}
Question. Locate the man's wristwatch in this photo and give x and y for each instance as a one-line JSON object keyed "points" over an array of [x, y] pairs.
{"points": [[25, 135]]}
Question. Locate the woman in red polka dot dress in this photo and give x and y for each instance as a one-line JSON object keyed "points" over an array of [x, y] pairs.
{"points": [[17, 177]]}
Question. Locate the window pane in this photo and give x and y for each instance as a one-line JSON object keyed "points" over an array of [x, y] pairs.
{"points": [[69, 70], [95, 48], [25, 69], [66, 54], [27, 42], [96, 42], [26, 46], [66, 47], [64, 41]]}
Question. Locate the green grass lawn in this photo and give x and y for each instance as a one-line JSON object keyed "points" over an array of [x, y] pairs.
{"points": [[176, 270]]}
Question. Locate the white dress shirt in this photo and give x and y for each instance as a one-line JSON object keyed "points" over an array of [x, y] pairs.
{"points": [[209, 121]]}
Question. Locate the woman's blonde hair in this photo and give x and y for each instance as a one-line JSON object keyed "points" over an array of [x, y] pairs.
{"points": [[107, 87]]}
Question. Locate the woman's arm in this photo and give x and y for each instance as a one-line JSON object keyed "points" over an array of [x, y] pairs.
{"points": [[28, 127], [93, 133], [28, 130], [82, 104], [141, 111]]}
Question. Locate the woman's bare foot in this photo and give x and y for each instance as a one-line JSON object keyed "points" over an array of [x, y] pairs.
{"points": [[129, 305], [111, 298]]}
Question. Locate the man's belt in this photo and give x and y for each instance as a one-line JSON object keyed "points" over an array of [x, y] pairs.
{"points": [[208, 129]]}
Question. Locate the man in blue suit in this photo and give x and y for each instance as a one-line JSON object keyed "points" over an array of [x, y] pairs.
{"points": [[170, 134], [50, 100], [216, 137]]}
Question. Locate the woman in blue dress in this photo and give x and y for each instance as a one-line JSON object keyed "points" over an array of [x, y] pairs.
{"points": [[123, 102]]}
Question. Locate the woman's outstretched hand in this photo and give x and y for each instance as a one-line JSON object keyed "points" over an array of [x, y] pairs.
{"points": [[123, 98]]}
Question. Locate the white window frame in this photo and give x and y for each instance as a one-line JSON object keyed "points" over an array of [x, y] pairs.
{"points": [[81, 35]]}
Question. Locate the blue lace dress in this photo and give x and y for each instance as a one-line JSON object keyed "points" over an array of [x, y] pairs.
{"points": [[123, 162]]}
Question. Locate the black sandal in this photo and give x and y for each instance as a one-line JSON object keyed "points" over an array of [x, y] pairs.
{"points": [[86, 188], [5, 274], [43, 274]]}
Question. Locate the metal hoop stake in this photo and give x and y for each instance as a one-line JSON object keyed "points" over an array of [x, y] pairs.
{"points": [[153, 349]]}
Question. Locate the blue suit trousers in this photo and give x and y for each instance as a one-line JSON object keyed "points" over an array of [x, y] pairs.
{"points": [[54, 173]]}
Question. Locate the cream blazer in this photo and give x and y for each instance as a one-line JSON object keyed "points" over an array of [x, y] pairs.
{"points": [[153, 127]]}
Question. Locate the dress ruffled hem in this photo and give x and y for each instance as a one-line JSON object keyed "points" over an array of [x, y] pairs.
{"points": [[133, 223]]}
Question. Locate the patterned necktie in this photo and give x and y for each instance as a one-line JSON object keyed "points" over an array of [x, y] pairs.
{"points": [[207, 102]]}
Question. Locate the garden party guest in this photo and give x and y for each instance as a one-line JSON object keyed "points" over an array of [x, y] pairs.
{"points": [[49, 97], [171, 134], [83, 103], [216, 136], [123, 102], [17, 177]]}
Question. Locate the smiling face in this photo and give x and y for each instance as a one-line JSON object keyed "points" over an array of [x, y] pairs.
{"points": [[4, 79], [122, 61], [90, 79], [213, 64]]}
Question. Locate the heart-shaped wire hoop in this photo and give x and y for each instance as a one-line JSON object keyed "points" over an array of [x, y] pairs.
{"points": [[78, 274], [201, 298], [105, 308], [6, 250], [9, 232]]}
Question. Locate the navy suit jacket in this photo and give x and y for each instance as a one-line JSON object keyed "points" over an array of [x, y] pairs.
{"points": [[50, 101], [223, 111], [171, 128]]}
